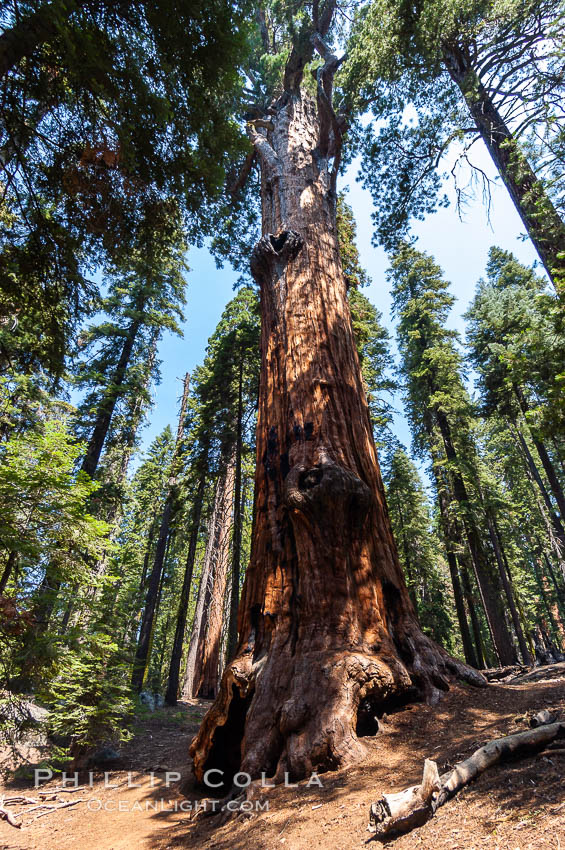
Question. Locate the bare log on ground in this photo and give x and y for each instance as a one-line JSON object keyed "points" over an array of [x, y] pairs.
{"points": [[497, 673], [10, 817], [542, 718], [405, 810], [61, 806], [549, 671]]}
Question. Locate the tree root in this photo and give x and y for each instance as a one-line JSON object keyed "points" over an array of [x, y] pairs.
{"points": [[402, 812]]}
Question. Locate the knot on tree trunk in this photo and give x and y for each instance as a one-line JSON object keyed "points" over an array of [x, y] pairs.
{"points": [[327, 493], [272, 252]]}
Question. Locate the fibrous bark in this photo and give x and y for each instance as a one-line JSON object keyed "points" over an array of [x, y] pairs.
{"points": [[207, 685], [325, 622], [237, 521], [193, 671], [176, 654]]}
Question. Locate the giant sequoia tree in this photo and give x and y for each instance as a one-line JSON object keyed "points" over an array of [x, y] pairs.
{"points": [[325, 618]]}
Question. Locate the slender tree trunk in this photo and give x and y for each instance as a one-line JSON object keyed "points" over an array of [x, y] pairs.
{"points": [[237, 522], [556, 622], [555, 614], [488, 585], [546, 462], [113, 510], [108, 402], [325, 619], [472, 608], [519, 606], [407, 563], [540, 218], [9, 568], [559, 596], [506, 581], [145, 632], [193, 669], [204, 644], [535, 475], [468, 649], [156, 612], [171, 694], [127, 440], [209, 679]]}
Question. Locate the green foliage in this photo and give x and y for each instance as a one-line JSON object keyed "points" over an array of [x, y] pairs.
{"points": [[418, 548], [371, 337], [517, 345], [417, 68], [44, 502], [115, 114], [431, 365], [90, 702], [355, 274]]}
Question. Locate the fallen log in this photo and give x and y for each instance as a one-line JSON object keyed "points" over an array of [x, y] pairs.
{"points": [[542, 718], [61, 806], [405, 810], [10, 817], [495, 674]]}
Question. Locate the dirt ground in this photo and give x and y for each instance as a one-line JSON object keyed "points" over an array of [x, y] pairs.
{"points": [[517, 806]]}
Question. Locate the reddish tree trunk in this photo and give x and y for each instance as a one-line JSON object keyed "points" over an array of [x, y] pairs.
{"points": [[209, 679], [325, 620], [151, 600], [193, 671], [180, 629], [237, 522]]}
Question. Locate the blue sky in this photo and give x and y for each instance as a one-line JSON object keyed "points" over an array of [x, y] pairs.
{"points": [[460, 246]]}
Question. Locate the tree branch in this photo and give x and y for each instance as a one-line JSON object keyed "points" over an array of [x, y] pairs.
{"points": [[328, 119], [244, 173], [265, 152], [302, 52], [32, 31]]}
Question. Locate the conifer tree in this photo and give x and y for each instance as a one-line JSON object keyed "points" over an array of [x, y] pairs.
{"points": [[225, 400], [516, 347], [115, 116], [439, 409], [163, 540], [460, 68], [145, 298], [319, 502], [418, 547]]}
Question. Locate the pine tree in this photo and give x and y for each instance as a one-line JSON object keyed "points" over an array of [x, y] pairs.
{"points": [[225, 400], [516, 347], [418, 547], [461, 70], [144, 299], [116, 116], [163, 538], [439, 410]]}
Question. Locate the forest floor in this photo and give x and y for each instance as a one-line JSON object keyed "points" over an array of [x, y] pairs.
{"points": [[515, 806]]}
